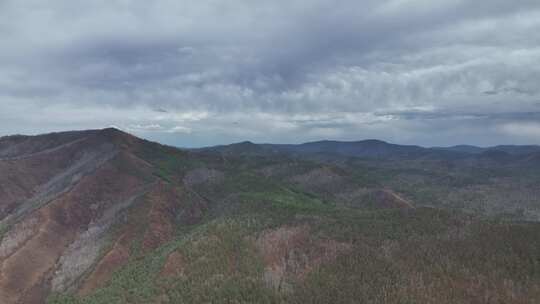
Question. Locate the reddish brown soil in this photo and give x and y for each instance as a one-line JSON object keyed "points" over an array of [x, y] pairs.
{"points": [[165, 204], [153, 217], [290, 253], [174, 266], [24, 275], [118, 255], [27, 268], [112, 261]]}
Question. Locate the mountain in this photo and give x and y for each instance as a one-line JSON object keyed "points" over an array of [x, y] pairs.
{"points": [[101, 216], [510, 149], [372, 151], [517, 150], [371, 148], [463, 149], [366, 148]]}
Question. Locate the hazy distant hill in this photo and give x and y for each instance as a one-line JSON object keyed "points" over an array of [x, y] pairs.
{"points": [[101, 216], [514, 150], [366, 148], [377, 150]]}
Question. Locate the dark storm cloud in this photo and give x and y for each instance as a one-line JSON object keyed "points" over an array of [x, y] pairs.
{"points": [[274, 71]]}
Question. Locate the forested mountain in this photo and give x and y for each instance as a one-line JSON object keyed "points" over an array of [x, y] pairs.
{"points": [[101, 216]]}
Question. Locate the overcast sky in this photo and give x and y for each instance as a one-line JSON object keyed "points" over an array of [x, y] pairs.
{"points": [[194, 73]]}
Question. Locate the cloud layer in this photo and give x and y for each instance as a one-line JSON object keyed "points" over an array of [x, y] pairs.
{"points": [[208, 72]]}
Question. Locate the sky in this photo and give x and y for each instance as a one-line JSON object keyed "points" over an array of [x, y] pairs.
{"points": [[207, 72]]}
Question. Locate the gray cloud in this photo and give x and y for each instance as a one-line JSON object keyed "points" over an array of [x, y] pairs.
{"points": [[208, 72]]}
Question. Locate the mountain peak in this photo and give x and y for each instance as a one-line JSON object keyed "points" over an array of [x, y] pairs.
{"points": [[246, 143], [113, 132], [117, 136]]}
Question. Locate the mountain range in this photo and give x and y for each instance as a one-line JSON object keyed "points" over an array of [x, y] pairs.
{"points": [[102, 216], [373, 148]]}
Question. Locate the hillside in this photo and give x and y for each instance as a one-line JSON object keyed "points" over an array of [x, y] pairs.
{"points": [[496, 181], [104, 217]]}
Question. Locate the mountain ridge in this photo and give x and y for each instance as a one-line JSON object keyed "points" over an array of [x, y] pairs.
{"points": [[463, 148], [371, 148]]}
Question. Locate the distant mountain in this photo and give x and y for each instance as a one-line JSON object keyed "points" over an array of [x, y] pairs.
{"points": [[366, 148], [510, 149], [517, 150], [462, 149], [371, 149], [241, 148]]}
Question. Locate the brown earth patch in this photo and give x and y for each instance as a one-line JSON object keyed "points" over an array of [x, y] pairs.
{"points": [[27, 270], [165, 204], [28, 267], [153, 218], [174, 266], [112, 261], [290, 253], [119, 254]]}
